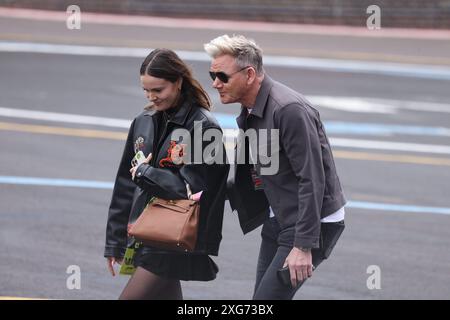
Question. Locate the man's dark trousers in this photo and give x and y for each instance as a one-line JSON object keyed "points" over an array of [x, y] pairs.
{"points": [[276, 245]]}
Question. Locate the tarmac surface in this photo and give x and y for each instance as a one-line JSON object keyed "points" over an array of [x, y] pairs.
{"points": [[390, 136]]}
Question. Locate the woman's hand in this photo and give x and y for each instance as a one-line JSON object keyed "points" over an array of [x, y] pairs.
{"points": [[111, 261], [133, 169]]}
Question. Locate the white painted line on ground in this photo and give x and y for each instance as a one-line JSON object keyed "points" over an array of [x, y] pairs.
{"points": [[333, 65], [226, 119], [64, 117], [31, 47], [374, 105], [351, 104], [397, 207], [386, 145]]}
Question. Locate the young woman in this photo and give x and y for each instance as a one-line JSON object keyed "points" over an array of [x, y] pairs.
{"points": [[177, 101]]}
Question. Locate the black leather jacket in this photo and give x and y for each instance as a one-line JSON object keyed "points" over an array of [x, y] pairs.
{"points": [[167, 180]]}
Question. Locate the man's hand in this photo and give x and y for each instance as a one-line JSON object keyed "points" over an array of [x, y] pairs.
{"points": [[133, 169], [300, 265]]}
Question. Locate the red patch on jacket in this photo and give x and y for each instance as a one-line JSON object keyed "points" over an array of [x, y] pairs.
{"points": [[174, 155]]}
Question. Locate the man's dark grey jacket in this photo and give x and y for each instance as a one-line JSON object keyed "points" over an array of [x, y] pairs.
{"points": [[306, 187]]}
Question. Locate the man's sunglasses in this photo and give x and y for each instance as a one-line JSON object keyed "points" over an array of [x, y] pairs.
{"points": [[223, 76]]}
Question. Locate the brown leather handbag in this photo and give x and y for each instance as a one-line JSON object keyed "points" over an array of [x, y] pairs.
{"points": [[168, 224]]}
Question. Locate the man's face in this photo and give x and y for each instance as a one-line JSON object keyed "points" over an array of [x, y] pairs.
{"points": [[236, 87]]}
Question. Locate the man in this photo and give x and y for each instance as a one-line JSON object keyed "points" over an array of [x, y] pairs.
{"points": [[301, 204]]}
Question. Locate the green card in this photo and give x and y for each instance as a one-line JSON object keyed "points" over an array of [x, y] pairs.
{"points": [[127, 267]]}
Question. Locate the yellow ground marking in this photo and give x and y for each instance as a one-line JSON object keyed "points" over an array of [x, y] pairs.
{"points": [[19, 298], [84, 133], [115, 135], [391, 158]]}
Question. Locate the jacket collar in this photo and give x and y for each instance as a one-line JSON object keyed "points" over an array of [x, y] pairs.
{"points": [[260, 103], [261, 98], [179, 117], [149, 112]]}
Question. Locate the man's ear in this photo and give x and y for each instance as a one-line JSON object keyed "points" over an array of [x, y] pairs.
{"points": [[251, 75]]}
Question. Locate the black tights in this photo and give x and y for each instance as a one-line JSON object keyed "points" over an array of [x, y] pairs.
{"points": [[145, 285]]}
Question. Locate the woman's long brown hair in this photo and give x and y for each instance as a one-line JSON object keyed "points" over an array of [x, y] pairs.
{"points": [[165, 64]]}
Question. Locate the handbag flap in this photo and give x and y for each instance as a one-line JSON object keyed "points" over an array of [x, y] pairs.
{"points": [[182, 206]]}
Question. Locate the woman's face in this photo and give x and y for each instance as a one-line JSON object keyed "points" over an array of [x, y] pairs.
{"points": [[162, 93]]}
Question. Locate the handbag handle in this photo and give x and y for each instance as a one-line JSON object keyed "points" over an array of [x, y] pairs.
{"points": [[182, 206]]}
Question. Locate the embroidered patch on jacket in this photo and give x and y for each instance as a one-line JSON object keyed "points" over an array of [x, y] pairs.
{"points": [[174, 155], [257, 181], [139, 144]]}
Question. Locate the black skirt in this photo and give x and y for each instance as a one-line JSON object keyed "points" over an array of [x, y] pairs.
{"points": [[174, 265]]}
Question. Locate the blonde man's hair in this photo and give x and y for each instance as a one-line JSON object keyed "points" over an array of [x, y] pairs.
{"points": [[245, 51]]}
